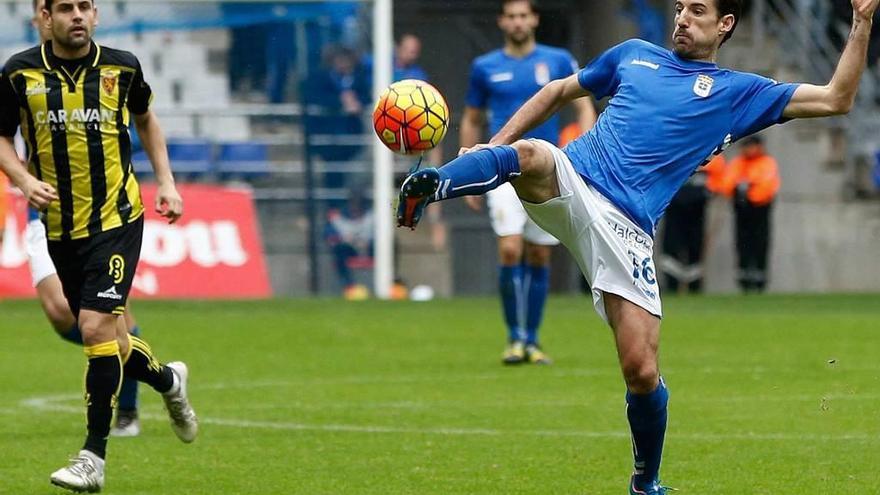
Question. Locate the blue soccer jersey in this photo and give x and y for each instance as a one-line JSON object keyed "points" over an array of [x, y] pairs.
{"points": [[667, 115], [500, 84]]}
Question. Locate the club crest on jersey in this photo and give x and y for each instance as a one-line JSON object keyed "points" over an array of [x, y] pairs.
{"points": [[108, 83], [703, 85], [542, 73]]}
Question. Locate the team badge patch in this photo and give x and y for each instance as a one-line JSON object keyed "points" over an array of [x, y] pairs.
{"points": [[108, 83], [703, 85], [542, 73]]}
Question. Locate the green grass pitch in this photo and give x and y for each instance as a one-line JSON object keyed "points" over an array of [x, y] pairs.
{"points": [[769, 395]]}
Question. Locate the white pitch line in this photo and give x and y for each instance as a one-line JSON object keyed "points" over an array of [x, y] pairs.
{"points": [[512, 374], [50, 404]]}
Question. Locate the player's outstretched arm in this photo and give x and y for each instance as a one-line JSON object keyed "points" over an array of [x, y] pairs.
{"points": [[539, 108], [838, 96], [169, 204]]}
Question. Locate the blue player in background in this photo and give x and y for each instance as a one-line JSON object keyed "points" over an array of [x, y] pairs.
{"points": [[603, 195], [500, 82]]}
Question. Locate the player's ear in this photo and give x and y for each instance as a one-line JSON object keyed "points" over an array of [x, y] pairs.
{"points": [[727, 23]]}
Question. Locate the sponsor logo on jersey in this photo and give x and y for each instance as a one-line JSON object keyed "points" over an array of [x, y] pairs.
{"points": [[37, 89], [75, 116], [703, 85], [110, 294], [645, 63], [542, 73], [501, 77]]}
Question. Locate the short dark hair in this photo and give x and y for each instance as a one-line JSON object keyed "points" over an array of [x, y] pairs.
{"points": [[752, 140], [533, 5], [730, 7], [49, 4]]}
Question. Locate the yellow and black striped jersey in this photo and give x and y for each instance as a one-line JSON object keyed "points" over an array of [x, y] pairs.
{"points": [[74, 117]]}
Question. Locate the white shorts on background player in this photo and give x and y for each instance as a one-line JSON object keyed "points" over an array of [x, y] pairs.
{"points": [[509, 218], [38, 252], [614, 254]]}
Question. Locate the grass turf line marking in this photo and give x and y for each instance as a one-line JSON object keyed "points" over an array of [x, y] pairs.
{"points": [[51, 403]]}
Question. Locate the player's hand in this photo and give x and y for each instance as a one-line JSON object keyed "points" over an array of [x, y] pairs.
{"points": [[39, 194], [169, 204], [476, 147], [474, 202], [864, 9]]}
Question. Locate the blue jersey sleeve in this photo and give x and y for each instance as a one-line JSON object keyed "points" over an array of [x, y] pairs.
{"points": [[477, 93], [601, 76], [760, 104]]}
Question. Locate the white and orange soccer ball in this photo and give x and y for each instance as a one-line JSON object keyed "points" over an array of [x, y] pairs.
{"points": [[411, 117]]}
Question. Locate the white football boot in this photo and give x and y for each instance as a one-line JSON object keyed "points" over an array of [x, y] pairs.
{"points": [[84, 474], [183, 418]]}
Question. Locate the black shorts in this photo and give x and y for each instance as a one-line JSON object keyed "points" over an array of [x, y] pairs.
{"points": [[96, 272]]}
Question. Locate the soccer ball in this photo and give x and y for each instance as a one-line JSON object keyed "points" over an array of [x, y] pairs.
{"points": [[411, 117]]}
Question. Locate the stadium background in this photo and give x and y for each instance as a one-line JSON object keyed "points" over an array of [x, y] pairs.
{"points": [[231, 87], [771, 394]]}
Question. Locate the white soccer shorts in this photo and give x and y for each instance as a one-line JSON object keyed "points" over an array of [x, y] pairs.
{"points": [[614, 254], [509, 218], [38, 252]]}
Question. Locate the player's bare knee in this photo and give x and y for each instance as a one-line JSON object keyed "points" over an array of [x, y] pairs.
{"points": [[97, 328], [537, 255], [510, 250], [641, 375], [59, 314], [529, 156]]}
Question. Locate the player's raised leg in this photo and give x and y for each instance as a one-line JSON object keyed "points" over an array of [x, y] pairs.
{"points": [[637, 334], [170, 380], [527, 165]]}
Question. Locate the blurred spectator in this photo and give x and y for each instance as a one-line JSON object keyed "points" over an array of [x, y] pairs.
{"points": [[341, 93], [406, 57], [752, 180], [683, 240], [349, 233]]}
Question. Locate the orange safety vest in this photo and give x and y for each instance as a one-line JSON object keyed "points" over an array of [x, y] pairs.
{"points": [[760, 173], [715, 171], [569, 133]]}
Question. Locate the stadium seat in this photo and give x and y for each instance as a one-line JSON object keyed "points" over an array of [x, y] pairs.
{"points": [[876, 174], [245, 160], [141, 163], [190, 156]]}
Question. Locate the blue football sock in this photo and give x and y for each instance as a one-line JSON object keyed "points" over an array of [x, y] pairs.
{"points": [[129, 391], [647, 420], [510, 283], [72, 335], [477, 172], [536, 286]]}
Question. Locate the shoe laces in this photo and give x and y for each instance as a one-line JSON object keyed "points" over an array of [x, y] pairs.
{"points": [[83, 466], [179, 408]]}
